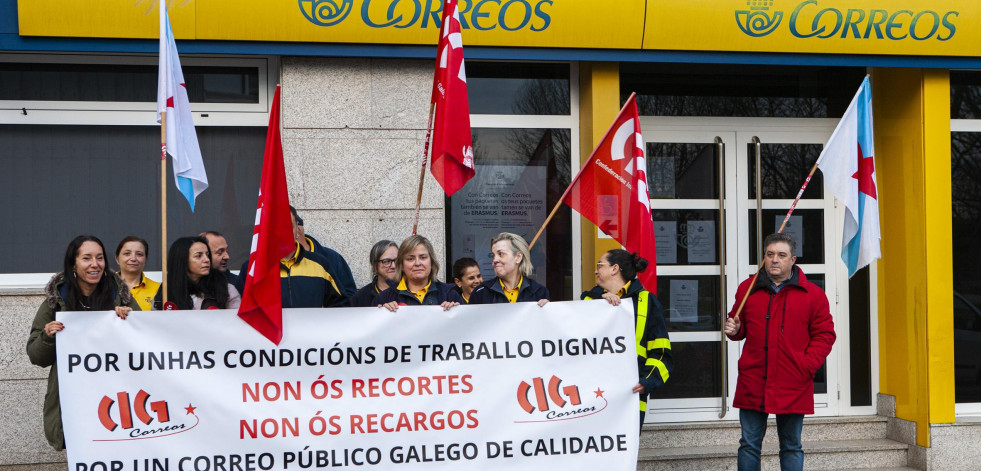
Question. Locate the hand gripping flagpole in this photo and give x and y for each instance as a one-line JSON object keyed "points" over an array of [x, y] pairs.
{"points": [[163, 205], [786, 218], [422, 171]]}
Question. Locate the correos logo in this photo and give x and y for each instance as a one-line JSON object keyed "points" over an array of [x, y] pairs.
{"points": [[325, 12], [810, 19], [482, 15], [757, 21]]}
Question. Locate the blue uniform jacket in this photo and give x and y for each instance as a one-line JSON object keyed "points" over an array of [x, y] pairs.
{"points": [[307, 282], [491, 292], [366, 294], [437, 294], [337, 266]]}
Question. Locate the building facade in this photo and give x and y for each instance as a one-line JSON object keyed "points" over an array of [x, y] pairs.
{"points": [[736, 101]]}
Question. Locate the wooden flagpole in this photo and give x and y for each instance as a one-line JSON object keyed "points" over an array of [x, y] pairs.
{"points": [[576, 179], [783, 224], [422, 170], [163, 204]]}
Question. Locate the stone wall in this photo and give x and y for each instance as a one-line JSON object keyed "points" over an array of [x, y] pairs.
{"points": [[22, 387], [353, 134]]}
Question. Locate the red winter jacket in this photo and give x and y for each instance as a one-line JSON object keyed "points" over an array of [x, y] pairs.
{"points": [[788, 335]]}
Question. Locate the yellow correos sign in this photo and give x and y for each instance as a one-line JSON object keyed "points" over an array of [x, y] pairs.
{"points": [[908, 27], [905, 27], [520, 23]]}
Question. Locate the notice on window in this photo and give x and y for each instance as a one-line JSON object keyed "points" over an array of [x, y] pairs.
{"points": [[701, 241], [661, 177], [795, 229], [666, 240], [499, 198], [683, 305]]}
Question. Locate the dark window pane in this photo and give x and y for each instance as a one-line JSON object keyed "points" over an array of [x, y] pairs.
{"points": [[966, 227], [734, 90], [518, 88], [785, 167], [697, 372], [521, 174], [123, 83], [105, 181], [821, 379], [805, 225], [965, 95], [687, 171], [859, 338], [691, 303], [687, 236], [816, 278]]}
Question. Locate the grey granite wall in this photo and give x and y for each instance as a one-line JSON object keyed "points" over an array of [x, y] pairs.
{"points": [[22, 386], [353, 134]]}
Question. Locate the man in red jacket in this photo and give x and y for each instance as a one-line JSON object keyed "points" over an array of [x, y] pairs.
{"points": [[789, 332]]}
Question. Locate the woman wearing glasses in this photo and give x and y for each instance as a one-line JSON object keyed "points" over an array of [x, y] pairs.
{"points": [[383, 273]]}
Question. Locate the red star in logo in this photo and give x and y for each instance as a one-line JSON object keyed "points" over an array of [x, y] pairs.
{"points": [[599, 392], [866, 167], [190, 409]]}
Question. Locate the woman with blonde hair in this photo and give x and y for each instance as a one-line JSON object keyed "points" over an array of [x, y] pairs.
{"points": [[512, 265], [417, 268]]}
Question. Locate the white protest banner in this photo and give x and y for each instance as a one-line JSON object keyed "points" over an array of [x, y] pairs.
{"points": [[474, 387]]}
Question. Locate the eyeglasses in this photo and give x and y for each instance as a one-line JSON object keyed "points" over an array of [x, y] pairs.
{"points": [[387, 262], [601, 264]]}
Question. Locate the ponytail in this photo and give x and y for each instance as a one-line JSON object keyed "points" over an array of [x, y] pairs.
{"points": [[630, 263]]}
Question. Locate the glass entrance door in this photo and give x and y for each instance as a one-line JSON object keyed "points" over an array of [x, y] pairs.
{"points": [[704, 201]]}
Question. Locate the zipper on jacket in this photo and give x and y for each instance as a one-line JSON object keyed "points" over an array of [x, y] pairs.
{"points": [[766, 352], [783, 316], [289, 284]]}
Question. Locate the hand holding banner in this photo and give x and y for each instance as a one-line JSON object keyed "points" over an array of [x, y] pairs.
{"points": [[476, 387]]}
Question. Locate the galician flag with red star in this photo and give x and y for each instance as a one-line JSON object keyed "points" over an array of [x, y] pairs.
{"points": [[849, 172]]}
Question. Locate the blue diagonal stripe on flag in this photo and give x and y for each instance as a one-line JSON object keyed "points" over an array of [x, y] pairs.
{"points": [[182, 140], [848, 165]]}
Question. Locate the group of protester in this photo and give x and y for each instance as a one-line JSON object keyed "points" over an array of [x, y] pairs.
{"points": [[407, 274]]}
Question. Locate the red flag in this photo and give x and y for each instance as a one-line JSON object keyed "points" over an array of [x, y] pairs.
{"points": [[272, 239], [452, 143], [611, 190]]}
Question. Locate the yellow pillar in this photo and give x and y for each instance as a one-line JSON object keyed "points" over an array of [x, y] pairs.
{"points": [[916, 335], [599, 103]]}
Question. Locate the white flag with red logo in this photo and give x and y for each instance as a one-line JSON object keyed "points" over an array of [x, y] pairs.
{"points": [[452, 144], [611, 190], [182, 140]]}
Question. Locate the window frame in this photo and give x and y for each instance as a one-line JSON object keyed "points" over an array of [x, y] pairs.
{"points": [[962, 409], [126, 113], [570, 122], [119, 113]]}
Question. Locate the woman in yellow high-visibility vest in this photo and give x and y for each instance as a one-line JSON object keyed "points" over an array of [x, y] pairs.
{"points": [[616, 278]]}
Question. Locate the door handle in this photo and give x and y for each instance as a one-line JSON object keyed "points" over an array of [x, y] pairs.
{"points": [[720, 149]]}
